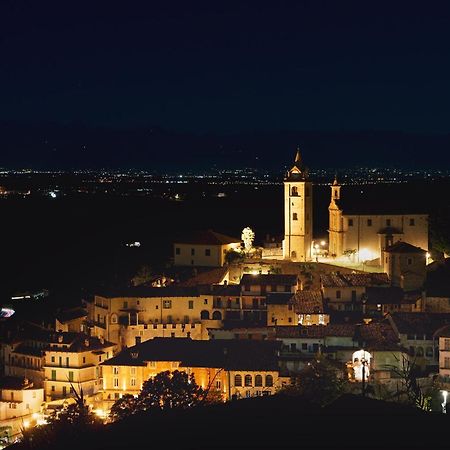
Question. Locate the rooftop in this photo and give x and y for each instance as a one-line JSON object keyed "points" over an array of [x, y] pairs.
{"points": [[354, 279], [207, 237], [230, 354], [404, 247], [308, 302], [71, 314], [269, 279], [419, 323], [214, 276]]}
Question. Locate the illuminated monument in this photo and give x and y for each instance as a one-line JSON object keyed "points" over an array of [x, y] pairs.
{"points": [[297, 213]]}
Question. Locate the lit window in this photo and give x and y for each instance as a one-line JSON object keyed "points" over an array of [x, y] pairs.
{"points": [[167, 304], [248, 380], [238, 380]]}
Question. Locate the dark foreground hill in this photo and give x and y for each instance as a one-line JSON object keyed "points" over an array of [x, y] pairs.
{"points": [[274, 422]]}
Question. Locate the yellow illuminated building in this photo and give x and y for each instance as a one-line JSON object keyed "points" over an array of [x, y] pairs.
{"points": [[235, 368]]}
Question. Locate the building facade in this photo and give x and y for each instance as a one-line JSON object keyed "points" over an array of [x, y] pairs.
{"points": [[204, 249], [367, 234]]}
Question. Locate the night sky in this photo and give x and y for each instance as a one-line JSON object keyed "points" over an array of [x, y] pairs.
{"points": [[227, 67]]}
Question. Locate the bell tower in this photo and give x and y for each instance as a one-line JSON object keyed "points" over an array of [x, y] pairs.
{"points": [[335, 230], [297, 213]]}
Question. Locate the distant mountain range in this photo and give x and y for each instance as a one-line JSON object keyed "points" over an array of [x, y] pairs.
{"points": [[76, 146]]}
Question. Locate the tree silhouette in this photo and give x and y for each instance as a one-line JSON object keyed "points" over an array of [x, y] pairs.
{"points": [[318, 383], [124, 407], [167, 390]]}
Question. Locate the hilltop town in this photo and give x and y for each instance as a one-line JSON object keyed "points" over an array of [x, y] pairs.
{"points": [[246, 321]]}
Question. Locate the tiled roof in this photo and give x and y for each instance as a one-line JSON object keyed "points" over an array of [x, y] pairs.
{"points": [[354, 279], [207, 237], [269, 279], [308, 302], [377, 335], [231, 354], [404, 247], [315, 331], [76, 342], [71, 314], [420, 323], [214, 276]]}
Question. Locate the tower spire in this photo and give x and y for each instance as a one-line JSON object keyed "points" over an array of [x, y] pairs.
{"points": [[335, 182], [298, 156]]}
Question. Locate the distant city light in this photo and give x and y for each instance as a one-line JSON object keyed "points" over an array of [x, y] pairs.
{"points": [[133, 244], [52, 194]]}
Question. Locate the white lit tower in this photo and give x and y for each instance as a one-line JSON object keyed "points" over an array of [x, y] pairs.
{"points": [[297, 213]]}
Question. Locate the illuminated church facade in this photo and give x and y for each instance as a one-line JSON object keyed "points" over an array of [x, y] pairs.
{"points": [[363, 233], [368, 233]]}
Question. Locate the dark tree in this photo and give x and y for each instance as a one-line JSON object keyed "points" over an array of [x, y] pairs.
{"points": [[124, 407], [170, 390], [319, 382]]}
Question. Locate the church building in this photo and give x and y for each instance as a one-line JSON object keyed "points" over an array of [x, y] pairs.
{"points": [[367, 231], [297, 213]]}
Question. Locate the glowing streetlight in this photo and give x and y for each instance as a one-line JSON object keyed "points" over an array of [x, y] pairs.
{"points": [[322, 243], [444, 403]]}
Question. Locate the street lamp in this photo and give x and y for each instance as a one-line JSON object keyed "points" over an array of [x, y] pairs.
{"points": [[444, 403], [363, 386]]}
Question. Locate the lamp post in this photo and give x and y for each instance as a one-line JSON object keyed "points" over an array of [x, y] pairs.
{"points": [[363, 386], [444, 403]]}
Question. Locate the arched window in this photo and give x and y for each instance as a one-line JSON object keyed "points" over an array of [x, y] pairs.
{"points": [[419, 352], [204, 315], [237, 380], [113, 318], [293, 255], [258, 381], [248, 380], [217, 315], [269, 380], [294, 191]]}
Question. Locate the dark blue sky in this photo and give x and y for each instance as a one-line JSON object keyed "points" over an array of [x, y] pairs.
{"points": [[227, 66]]}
